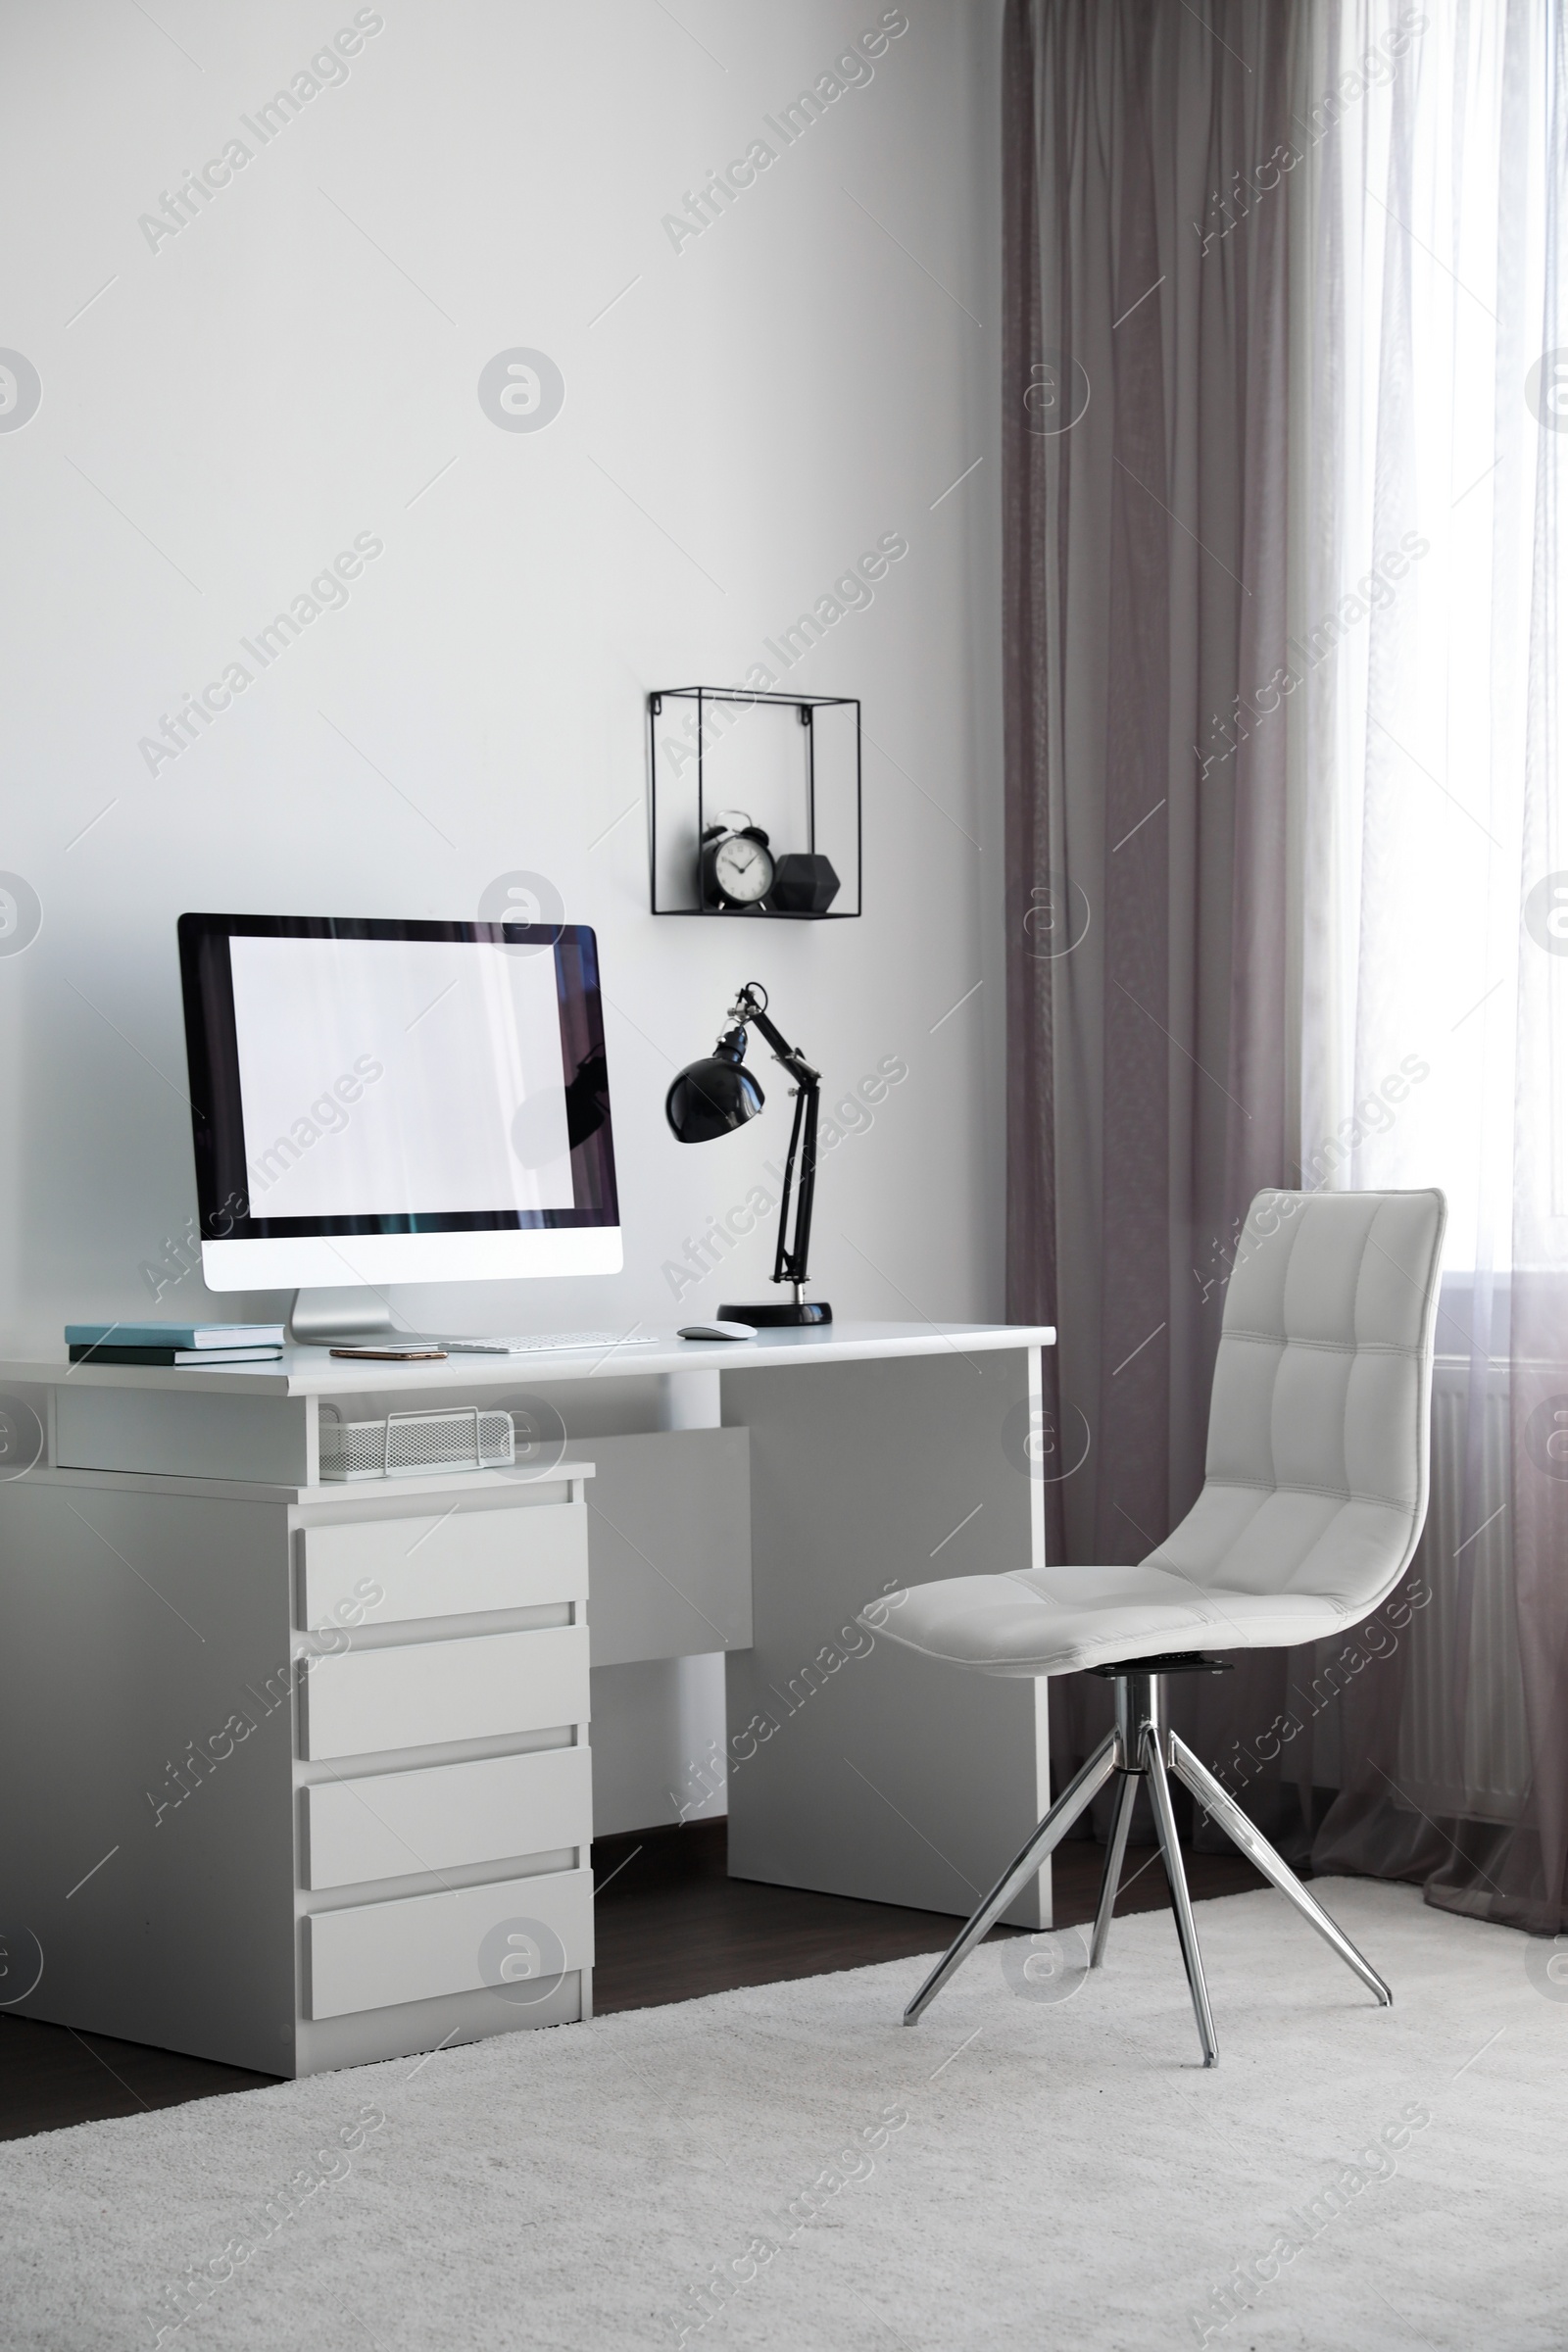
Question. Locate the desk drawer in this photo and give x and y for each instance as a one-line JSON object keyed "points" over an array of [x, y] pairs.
{"points": [[486, 1686], [427, 1945], [443, 1564], [394, 1824]]}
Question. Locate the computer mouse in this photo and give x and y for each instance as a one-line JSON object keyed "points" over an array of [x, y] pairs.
{"points": [[717, 1331]]}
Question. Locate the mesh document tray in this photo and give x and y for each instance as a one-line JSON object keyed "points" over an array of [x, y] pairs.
{"points": [[412, 1444]]}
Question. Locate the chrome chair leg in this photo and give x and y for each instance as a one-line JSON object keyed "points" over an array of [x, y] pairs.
{"points": [[1139, 1748], [1079, 1792], [1223, 1808], [1181, 1901], [1116, 1855]]}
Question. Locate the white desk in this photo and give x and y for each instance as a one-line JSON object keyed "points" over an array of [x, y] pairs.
{"points": [[296, 1775]]}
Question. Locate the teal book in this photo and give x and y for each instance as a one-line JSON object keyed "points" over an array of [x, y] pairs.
{"points": [[173, 1335]]}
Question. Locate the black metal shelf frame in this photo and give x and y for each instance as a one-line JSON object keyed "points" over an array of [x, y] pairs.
{"points": [[841, 842]]}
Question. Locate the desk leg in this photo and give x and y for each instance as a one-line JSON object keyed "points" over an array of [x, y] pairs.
{"points": [[857, 1767]]}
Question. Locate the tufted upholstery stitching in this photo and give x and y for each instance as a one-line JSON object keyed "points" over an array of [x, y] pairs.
{"points": [[1308, 1486], [1285, 1340], [1288, 1339]]}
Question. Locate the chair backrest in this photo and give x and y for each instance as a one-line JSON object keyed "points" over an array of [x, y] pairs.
{"points": [[1319, 1425]]}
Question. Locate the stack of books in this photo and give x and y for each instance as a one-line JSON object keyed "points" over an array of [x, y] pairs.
{"points": [[174, 1343]]}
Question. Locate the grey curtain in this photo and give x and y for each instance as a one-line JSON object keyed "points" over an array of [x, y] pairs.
{"points": [[1284, 414], [1146, 453]]}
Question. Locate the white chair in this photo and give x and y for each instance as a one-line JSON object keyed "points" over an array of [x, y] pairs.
{"points": [[1314, 1499]]}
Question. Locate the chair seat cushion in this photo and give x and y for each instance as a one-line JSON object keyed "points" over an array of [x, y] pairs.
{"points": [[1060, 1620]]}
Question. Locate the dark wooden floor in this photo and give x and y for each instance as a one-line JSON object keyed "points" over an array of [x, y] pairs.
{"points": [[670, 1925]]}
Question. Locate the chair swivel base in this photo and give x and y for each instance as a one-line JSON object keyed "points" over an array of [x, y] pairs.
{"points": [[1143, 1747]]}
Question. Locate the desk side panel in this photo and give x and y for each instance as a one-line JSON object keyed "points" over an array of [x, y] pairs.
{"points": [[264, 1439], [670, 1544], [146, 1840], [857, 1767]]}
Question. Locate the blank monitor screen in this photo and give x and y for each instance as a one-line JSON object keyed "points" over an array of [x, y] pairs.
{"points": [[362, 1083]]}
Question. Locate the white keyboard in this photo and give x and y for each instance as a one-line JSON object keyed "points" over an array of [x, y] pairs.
{"points": [[551, 1342]]}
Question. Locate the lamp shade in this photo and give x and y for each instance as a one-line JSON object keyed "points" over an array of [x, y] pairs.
{"points": [[714, 1095]]}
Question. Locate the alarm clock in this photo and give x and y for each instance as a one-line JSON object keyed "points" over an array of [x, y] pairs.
{"points": [[735, 866]]}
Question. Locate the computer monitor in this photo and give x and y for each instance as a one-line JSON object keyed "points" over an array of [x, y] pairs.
{"points": [[378, 1102]]}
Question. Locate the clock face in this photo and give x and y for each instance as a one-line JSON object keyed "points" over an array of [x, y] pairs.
{"points": [[743, 870]]}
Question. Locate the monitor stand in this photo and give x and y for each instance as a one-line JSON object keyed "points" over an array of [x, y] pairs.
{"points": [[353, 1316]]}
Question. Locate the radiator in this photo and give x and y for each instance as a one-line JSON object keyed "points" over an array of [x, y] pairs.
{"points": [[1477, 1768]]}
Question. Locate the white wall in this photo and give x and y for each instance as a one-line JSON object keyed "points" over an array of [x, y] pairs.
{"points": [[299, 365]]}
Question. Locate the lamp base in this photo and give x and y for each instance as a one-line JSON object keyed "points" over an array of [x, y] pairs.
{"points": [[779, 1314]]}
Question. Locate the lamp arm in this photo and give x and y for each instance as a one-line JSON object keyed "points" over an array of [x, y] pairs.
{"points": [[790, 1261], [784, 1258], [808, 1098], [799, 1068]]}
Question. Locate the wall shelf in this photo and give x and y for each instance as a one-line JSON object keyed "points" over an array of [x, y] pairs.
{"points": [[790, 761]]}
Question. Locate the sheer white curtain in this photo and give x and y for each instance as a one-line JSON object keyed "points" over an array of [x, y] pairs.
{"points": [[1426, 621], [1430, 410]]}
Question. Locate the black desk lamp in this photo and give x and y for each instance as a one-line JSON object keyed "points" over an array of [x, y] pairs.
{"points": [[714, 1096]]}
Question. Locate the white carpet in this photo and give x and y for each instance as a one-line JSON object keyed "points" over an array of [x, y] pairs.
{"points": [[1018, 2172]]}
